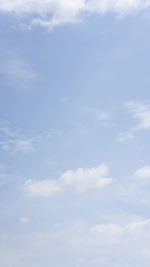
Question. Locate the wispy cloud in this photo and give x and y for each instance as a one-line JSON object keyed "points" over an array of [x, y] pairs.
{"points": [[79, 180], [99, 115], [106, 237], [18, 145], [15, 71], [125, 136], [141, 115], [14, 140], [136, 188], [51, 13], [103, 118]]}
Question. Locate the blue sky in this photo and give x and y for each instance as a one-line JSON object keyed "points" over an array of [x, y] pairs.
{"points": [[74, 133]]}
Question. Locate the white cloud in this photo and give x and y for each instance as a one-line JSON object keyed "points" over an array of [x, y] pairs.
{"points": [[141, 113], [50, 13], [103, 118], [20, 145], [98, 114], [110, 235], [110, 240], [13, 140], [25, 220], [142, 174], [136, 187], [7, 131], [79, 180], [118, 231], [86, 245], [44, 188], [84, 179]]}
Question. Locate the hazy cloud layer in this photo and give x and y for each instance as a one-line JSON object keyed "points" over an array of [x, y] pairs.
{"points": [[51, 13], [78, 244]]}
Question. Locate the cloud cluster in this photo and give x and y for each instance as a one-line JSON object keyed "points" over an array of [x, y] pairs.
{"points": [[115, 235], [82, 180], [79, 244], [116, 242], [79, 180], [50, 13]]}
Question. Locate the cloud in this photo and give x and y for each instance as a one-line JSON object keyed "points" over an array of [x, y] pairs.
{"points": [[50, 13], [79, 244], [79, 180], [45, 188], [14, 141], [125, 136], [110, 235], [15, 146], [103, 117], [118, 232], [9, 132], [142, 174], [94, 115], [25, 220], [15, 71], [136, 188], [141, 114], [98, 114]]}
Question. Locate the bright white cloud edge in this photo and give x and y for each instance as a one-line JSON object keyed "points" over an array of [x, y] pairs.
{"points": [[51, 13], [79, 180]]}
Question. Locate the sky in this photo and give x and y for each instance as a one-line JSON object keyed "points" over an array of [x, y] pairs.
{"points": [[74, 133]]}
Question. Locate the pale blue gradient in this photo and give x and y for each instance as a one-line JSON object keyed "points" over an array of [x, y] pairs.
{"points": [[99, 64]]}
